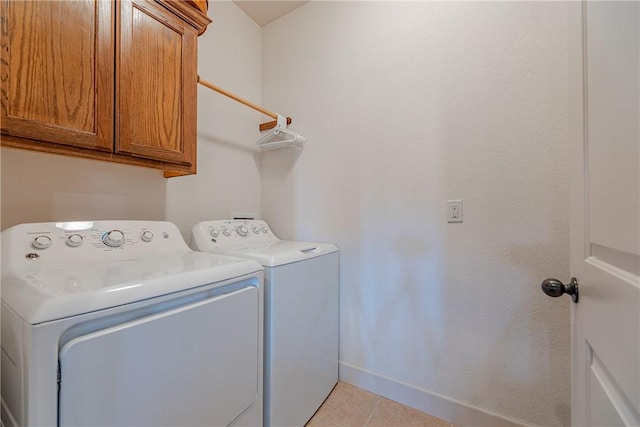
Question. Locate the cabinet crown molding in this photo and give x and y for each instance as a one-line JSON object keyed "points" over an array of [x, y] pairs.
{"points": [[188, 13]]}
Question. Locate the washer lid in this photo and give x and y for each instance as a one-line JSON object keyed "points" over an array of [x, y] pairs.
{"points": [[280, 252], [41, 294]]}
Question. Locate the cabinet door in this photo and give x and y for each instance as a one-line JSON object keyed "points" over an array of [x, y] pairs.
{"points": [[156, 82], [57, 72]]}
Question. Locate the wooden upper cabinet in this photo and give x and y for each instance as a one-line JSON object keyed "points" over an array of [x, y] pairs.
{"points": [[108, 80], [156, 80], [57, 72]]}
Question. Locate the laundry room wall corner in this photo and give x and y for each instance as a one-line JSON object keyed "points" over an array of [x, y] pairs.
{"points": [[228, 180]]}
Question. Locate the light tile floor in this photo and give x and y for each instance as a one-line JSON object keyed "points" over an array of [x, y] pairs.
{"points": [[350, 406]]}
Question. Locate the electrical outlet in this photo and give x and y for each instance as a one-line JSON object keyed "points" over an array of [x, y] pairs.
{"points": [[454, 210]]}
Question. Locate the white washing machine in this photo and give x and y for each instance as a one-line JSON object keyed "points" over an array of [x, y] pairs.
{"points": [[119, 323], [301, 314]]}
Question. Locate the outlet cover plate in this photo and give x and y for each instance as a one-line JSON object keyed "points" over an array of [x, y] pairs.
{"points": [[454, 211]]}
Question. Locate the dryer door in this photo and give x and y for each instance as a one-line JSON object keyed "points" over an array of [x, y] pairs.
{"points": [[196, 365]]}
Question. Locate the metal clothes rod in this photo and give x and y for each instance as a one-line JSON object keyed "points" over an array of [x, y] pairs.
{"points": [[263, 126]]}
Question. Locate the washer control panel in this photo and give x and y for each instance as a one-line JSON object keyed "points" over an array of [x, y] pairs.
{"points": [[233, 232], [87, 240]]}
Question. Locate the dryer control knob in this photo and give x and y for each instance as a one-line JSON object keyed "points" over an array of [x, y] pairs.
{"points": [[242, 230], [215, 232], [255, 229], [113, 238], [146, 236], [226, 232], [41, 242], [264, 229], [74, 240]]}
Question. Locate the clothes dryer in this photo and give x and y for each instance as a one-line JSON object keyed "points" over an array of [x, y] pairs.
{"points": [[119, 323], [301, 313]]}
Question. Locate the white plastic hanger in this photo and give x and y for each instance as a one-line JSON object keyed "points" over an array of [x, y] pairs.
{"points": [[293, 139]]}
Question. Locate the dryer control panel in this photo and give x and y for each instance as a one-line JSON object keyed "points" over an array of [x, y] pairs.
{"points": [[61, 243], [232, 233]]}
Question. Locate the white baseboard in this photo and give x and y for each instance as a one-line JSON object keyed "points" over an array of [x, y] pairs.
{"points": [[454, 411]]}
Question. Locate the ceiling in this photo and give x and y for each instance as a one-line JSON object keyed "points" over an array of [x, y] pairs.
{"points": [[265, 11]]}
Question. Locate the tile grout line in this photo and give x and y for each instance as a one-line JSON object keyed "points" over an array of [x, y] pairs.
{"points": [[378, 398]]}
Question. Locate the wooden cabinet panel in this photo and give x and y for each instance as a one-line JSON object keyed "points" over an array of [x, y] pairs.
{"points": [[102, 79], [57, 72], [156, 82]]}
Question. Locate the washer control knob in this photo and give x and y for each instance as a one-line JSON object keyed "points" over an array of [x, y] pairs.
{"points": [[41, 242], [146, 236], [113, 238], [242, 230], [255, 229], [215, 232], [264, 229], [74, 240], [226, 232]]}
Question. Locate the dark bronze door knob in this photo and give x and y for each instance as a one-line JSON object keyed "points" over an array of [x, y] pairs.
{"points": [[555, 288]]}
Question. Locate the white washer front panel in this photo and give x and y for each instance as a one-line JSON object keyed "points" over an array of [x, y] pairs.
{"points": [[197, 365], [301, 327]]}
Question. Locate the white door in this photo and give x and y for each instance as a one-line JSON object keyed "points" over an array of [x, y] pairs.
{"points": [[605, 220]]}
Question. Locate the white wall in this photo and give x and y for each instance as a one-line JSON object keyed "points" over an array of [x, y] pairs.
{"points": [[38, 187], [228, 180], [43, 187], [405, 105]]}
